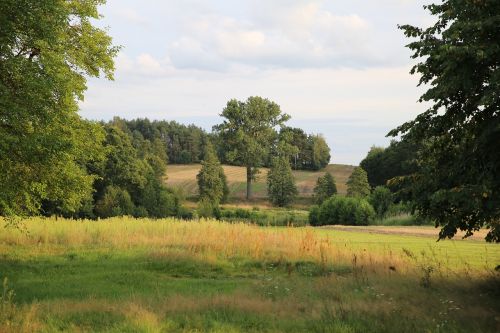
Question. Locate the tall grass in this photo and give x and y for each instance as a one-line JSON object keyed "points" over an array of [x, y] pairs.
{"points": [[207, 238], [140, 275]]}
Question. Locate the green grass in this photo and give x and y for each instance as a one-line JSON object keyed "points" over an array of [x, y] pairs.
{"points": [[125, 275]]}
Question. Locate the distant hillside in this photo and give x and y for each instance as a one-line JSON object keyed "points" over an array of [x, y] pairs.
{"points": [[184, 176]]}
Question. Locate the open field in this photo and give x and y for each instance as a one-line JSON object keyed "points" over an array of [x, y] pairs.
{"points": [[127, 275], [184, 176], [423, 231]]}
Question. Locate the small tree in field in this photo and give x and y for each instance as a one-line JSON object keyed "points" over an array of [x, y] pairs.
{"points": [[280, 182], [325, 188], [381, 199], [211, 179], [357, 184]]}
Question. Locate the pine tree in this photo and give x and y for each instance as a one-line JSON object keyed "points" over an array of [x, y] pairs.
{"points": [[325, 188], [211, 179], [357, 184], [281, 186]]}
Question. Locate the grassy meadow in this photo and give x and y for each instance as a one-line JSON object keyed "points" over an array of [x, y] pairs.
{"points": [[128, 275], [184, 176]]}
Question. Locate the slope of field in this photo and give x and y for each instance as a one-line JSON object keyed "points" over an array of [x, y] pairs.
{"points": [[128, 275], [184, 176]]}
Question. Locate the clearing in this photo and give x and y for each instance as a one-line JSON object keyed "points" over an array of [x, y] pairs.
{"points": [[184, 176], [128, 275]]}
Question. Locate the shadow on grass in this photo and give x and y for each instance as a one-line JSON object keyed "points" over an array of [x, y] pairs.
{"points": [[73, 275]]}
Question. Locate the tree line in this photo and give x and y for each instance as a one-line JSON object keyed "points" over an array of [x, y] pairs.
{"points": [[185, 144]]}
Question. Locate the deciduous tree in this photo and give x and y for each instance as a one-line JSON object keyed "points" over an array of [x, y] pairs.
{"points": [[248, 133], [457, 183], [47, 50]]}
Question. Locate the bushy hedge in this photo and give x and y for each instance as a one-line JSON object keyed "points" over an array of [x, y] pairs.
{"points": [[342, 210], [278, 217]]}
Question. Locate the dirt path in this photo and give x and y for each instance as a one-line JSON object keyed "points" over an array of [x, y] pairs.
{"points": [[422, 231]]}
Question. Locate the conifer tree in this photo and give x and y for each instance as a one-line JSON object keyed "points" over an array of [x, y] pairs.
{"points": [[281, 186], [211, 179], [357, 184], [325, 188]]}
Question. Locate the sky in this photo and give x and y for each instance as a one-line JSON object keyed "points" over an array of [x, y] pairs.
{"points": [[339, 68]]}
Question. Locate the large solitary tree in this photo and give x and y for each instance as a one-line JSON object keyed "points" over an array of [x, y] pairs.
{"points": [[47, 50], [248, 133], [457, 181]]}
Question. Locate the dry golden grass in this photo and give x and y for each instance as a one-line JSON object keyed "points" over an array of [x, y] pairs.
{"points": [[184, 177], [203, 239], [213, 240], [290, 276]]}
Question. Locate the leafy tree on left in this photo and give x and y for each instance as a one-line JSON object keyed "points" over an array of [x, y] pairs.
{"points": [[47, 49]]}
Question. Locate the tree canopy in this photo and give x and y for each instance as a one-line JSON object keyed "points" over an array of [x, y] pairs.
{"points": [[248, 132], [47, 50], [312, 152], [383, 165], [457, 183]]}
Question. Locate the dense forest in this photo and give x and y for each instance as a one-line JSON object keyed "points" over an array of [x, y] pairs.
{"points": [[131, 165], [185, 144]]}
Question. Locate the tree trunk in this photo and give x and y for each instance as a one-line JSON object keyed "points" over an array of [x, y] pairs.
{"points": [[249, 182]]}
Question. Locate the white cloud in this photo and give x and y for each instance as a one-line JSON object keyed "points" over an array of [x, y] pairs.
{"points": [[338, 67], [144, 65], [131, 16], [353, 108], [302, 36]]}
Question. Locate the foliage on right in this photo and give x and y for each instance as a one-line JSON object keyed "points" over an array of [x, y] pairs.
{"points": [[457, 183], [383, 164]]}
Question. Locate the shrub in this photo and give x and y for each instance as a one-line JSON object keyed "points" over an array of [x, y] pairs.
{"points": [[381, 199], [346, 211], [159, 201], [267, 217], [115, 202], [242, 213], [314, 215], [184, 213], [205, 208]]}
